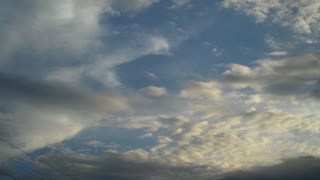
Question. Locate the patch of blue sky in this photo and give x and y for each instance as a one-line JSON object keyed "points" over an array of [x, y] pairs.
{"points": [[101, 139], [238, 38], [194, 58]]}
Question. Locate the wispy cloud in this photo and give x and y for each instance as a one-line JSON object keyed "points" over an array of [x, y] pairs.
{"points": [[276, 53]]}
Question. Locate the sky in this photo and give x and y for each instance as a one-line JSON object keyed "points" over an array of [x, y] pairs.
{"points": [[160, 89]]}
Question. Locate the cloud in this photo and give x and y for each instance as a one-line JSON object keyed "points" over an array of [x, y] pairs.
{"points": [[71, 27], [191, 131], [241, 141], [300, 15], [234, 122], [211, 149], [206, 90], [102, 70], [217, 52], [43, 113], [136, 165], [151, 76], [173, 121], [129, 165], [24, 91], [271, 42], [33, 128], [158, 45], [208, 138], [276, 53], [180, 3], [300, 168], [291, 76], [132, 5], [253, 99], [154, 91], [53, 39]]}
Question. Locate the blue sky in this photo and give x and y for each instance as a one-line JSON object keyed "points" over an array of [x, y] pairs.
{"points": [[155, 89]]}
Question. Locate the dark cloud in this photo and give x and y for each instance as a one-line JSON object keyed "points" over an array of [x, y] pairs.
{"points": [[293, 76], [125, 167], [17, 90], [285, 88], [122, 167], [42, 112], [302, 168], [316, 93]]}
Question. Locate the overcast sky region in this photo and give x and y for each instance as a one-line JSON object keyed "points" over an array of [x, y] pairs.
{"points": [[160, 89]]}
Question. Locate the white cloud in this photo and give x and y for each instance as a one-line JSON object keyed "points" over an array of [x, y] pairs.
{"points": [[158, 45], [302, 16], [180, 3], [242, 141], [217, 51], [230, 140], [276, 53], [253, 99], [69, 27], [271, 42], [101, 69], [59, 32], [204, 90], [152, 76], [154, 91], [132, 5]]}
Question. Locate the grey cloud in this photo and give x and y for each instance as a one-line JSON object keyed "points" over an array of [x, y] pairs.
{"points": [[121, 167], [173, 121], [285, 88], [44, 113], [19, 90], [316, 93], [292, 76], [302, 168]]}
